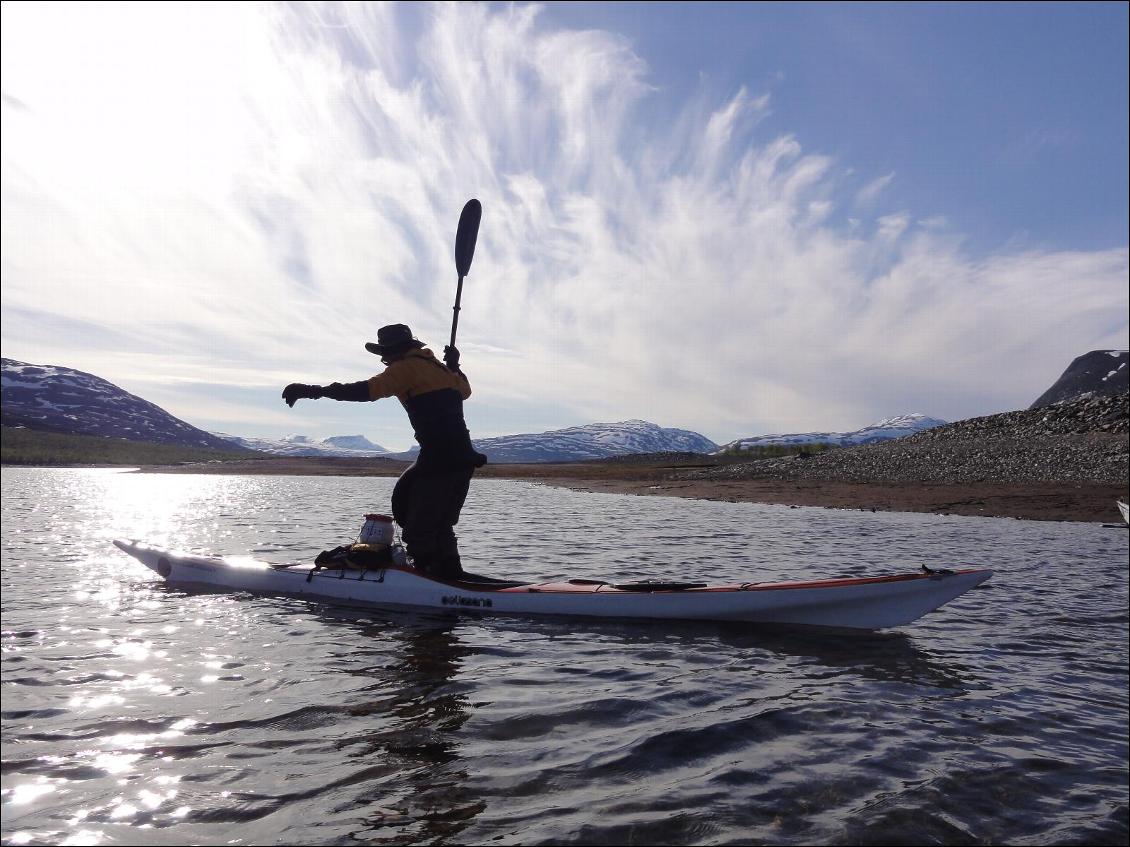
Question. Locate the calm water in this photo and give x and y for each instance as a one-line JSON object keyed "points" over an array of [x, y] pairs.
{"points": [[138, 714]]}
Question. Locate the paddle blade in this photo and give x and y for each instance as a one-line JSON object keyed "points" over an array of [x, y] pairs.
{"points": [[467, 235]]}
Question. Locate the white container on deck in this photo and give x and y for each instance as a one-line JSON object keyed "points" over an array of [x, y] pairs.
{"points": [[377, 530]]}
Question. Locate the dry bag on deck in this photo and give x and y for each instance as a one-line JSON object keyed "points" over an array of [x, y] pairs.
{"points": [[355, 557]]}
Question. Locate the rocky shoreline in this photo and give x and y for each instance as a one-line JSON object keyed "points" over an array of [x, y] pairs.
{"points": [[1085, 442]]}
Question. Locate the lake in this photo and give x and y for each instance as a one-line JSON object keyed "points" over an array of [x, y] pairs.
{"points": [[134, 713]]}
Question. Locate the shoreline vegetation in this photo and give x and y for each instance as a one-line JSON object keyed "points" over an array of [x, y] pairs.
{"points": [[787, 480], [40, 448]]}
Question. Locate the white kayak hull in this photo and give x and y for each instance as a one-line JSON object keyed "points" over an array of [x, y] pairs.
{"points": [[1124, 510], [867, 603]]}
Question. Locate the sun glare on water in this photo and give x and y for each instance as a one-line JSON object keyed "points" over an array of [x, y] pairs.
{"points": [[112, 660], [161, 509]]}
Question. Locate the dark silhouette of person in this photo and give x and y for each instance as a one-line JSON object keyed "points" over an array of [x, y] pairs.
{"points": [[429, 495]]}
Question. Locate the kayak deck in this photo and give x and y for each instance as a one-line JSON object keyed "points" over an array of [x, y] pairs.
{"points": [[853, 602]]}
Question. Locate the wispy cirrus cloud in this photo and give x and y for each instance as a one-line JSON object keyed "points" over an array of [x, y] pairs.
{"points": [[243, 195]]}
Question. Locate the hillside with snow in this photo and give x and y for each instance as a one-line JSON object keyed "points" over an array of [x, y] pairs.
{"points": [[56, 399], [340, 446], [591, 441], [886, 430]]}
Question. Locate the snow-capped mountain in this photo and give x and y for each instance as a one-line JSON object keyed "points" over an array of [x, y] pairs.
{"points": [[353, 442], [1092, 374], [886, 430], [60, 399], [592, 441], [341, 446], [56, 399]]}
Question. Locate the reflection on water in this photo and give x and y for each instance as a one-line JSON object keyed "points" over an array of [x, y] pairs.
{"points": [[419, 691], [134, 713]]}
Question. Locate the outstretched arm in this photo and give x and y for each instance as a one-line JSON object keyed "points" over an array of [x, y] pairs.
{"points": [[353, 391]]}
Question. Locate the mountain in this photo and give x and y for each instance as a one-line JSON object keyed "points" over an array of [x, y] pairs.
{"points": [[887, 430], [353, 442], [56, 399], [341, 446], [1090, 375], [591, 441]]}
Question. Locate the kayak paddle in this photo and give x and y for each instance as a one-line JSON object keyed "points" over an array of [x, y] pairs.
{"points": [[465, 238]]}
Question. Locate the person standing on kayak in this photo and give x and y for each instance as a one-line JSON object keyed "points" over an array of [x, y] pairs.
{"points": [[429, 495]]}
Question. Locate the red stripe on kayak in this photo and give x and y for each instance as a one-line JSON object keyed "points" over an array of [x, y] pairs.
{"points": [[835, 583], [604, 588]]}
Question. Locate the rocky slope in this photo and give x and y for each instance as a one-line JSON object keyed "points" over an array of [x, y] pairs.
{"points": [[1092, 374], [1082, 441]]}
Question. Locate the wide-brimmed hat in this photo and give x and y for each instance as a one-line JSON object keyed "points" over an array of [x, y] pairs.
{"points": [[392, 339]]}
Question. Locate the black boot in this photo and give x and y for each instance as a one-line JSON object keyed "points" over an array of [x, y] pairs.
{"points": [[448, 567], [447, 561], [423, 562]]}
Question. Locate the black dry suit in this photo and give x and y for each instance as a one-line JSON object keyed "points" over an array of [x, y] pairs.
{"points": [[429, 495]]}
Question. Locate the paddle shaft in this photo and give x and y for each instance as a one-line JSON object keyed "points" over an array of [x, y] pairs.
{"points": [[455, 311]]}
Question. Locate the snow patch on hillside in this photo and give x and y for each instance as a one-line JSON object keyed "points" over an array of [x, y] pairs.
{"points": [[885, 430], [340, 446], [593, 441]]}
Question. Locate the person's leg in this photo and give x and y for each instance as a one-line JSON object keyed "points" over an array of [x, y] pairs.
{"points": [[434, 502], [423, 506], [402, 495], [447, 545], [408, 498]]}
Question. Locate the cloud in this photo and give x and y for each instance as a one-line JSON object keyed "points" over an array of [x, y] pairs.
{"points": [[867, 196], [244, 197]]}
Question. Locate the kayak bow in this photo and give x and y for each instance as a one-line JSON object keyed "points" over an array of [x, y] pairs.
{"points": [[855, 603]]}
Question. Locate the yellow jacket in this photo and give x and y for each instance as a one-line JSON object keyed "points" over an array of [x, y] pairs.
{"points": [[433, 396], [418, 372]]}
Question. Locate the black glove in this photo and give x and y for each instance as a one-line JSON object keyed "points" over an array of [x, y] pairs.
{"points": [[451, 357], [297, 391]]}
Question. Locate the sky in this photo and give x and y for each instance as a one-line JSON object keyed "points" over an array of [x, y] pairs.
{"points": [[732, 218]]}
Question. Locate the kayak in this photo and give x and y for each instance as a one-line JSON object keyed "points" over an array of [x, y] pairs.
{"points": [[1124, 509], [866, 603]]}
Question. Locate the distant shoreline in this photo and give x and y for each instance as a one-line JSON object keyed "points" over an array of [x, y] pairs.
{"points": [[1068, 462], [1045, 501]]}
